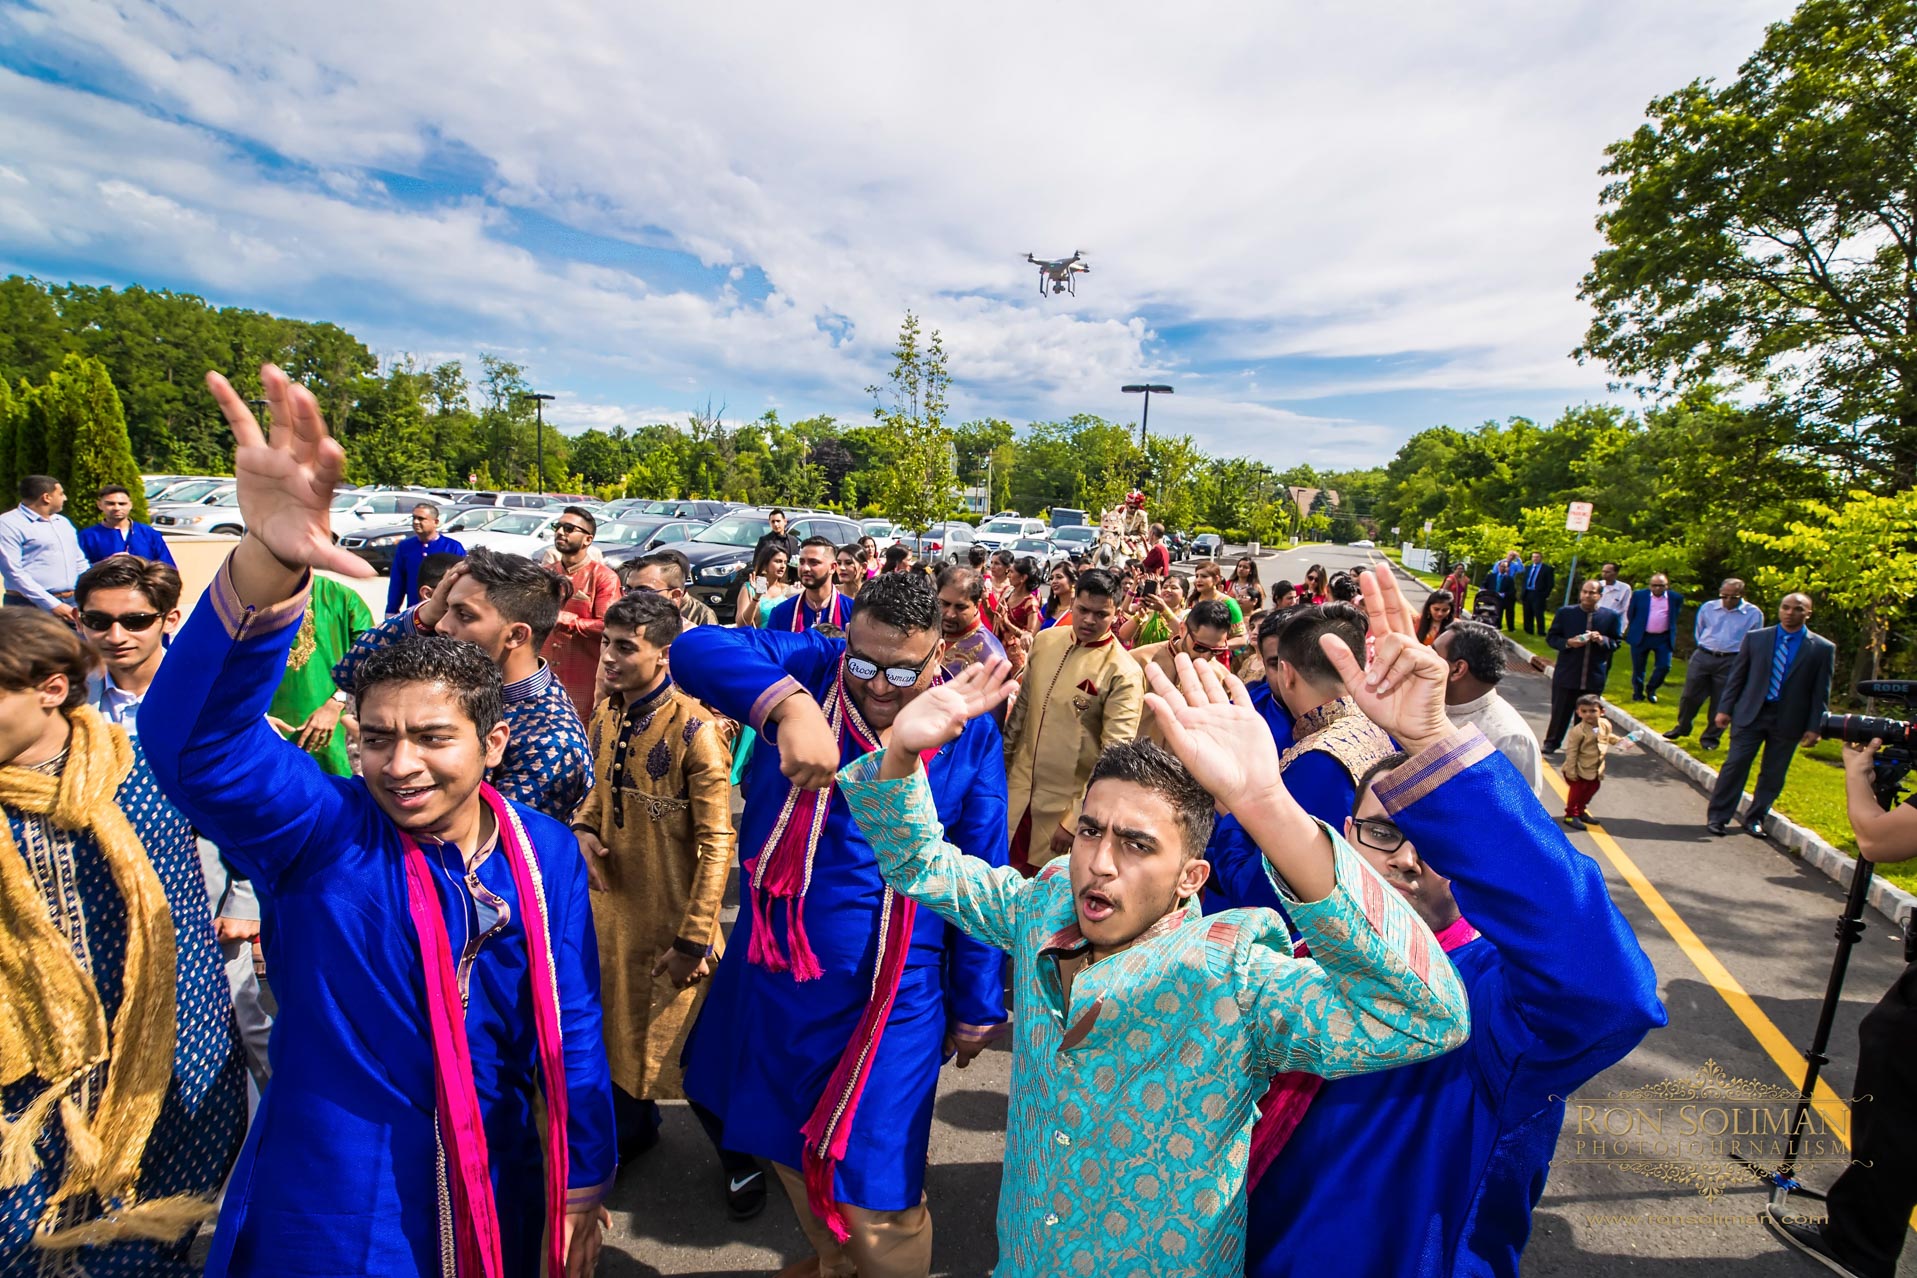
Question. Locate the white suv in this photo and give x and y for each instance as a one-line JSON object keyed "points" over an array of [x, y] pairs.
{"points": [[996, 534]]}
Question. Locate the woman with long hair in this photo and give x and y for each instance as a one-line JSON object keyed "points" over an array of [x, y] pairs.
{"points": [[1313, 589], [870, 558], [1440, 610], [1459, 584], [763, 587], [1245, 587], [1063, 584]]}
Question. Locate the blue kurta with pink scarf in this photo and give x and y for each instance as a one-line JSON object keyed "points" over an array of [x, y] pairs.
{"points": [[338, 1174], [766, 1044]]}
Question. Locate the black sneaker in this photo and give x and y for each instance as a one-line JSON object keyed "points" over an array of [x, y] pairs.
{"points": [[1576, 823], [745, 1195], [1807, 1240]]}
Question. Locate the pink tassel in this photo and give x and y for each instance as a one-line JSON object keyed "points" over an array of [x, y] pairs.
{"points": [[805, 964], [820, 1195]]}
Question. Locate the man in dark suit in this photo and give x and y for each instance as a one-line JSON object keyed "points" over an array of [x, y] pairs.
{"points": [[1585, 636], [1652, 628], [1538, 581], [1502, 581], [1774, 698]]}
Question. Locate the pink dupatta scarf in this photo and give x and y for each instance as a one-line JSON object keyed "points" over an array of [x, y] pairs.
{"points": [[469, 1218], [1290, 1097], [782, 871]]}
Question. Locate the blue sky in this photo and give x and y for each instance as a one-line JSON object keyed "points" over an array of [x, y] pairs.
{"points": [[1327, 229]]}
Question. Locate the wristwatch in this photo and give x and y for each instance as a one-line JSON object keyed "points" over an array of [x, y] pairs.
{"points": [[341, 696]]}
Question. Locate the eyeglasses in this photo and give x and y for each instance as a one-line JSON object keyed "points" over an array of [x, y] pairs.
{"points": [[897, 676], [572, 528], [1209, 650], [1377, 833], [640, 590], [101, 622]]}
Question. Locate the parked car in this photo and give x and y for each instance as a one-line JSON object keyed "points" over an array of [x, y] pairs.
{"points": [[689, 508], [1206, 546], [998, 532], [1008, 514], [721, 552], [881, 531], [355, 511], [622, 539], [1067, 517], [1073, 541], [1364, 543], [1043, 549], [153, 484], [217, 512], [516, 532], [190, 489], [941, 543], [376, 545], [516, 501]]}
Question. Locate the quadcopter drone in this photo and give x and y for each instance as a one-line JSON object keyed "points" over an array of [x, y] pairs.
{"points": [[1062, 272]]}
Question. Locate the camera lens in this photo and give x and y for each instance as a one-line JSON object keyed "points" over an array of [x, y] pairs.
{"points": [[1861, 729]]}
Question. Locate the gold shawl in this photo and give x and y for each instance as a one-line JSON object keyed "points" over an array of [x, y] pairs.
{"points": [[52, 1024]]}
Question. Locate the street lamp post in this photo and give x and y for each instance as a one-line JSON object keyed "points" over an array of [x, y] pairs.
{"points": [[539, 433], [1147, 390]]}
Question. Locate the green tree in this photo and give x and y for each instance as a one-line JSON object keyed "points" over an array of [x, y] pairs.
{"points": [[1857, 557], [100, 451], [919, 488], [1766, 230], [12, 407]]}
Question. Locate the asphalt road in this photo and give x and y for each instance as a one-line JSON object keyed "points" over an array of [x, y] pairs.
{"points": [[1740, 933]]}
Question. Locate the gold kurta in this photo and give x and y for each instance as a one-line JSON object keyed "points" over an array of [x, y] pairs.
{"points": [[663, 808], [1074, 701], [1165, 657]]}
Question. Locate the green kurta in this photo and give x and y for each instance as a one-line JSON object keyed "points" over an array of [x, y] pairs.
{"points": [[334, 618]]}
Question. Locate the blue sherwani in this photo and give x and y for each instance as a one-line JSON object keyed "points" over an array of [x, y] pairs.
{"points": [[766, 1045], [1455, 1151], [338, 1172], [98, 542], [402, 584]]}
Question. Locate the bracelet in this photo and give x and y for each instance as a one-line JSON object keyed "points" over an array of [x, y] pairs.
{"points": [[579, 827], [691, 949]]}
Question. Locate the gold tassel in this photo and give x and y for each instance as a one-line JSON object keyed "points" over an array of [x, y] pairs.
{"points": [[83, 1147], [159, 1220], [18, 1157]]}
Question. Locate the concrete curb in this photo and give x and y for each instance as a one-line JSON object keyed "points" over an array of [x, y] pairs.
{"points": [[1794, 840], [1886, 898]]}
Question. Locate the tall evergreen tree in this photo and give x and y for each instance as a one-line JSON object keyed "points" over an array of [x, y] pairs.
{"points": [[100, 453]]}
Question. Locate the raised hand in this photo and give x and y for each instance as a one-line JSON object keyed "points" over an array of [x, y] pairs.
{"points": [[939, 714], [1209, 723], [285, 485], [1402, 690]]}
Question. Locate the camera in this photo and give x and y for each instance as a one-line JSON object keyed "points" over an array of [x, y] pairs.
{"points": [[1862, 729]]}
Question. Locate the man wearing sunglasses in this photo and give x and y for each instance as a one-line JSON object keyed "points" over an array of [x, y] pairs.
{"points": [[572, 649], [128, 606], [1460, 1145], [1206, 637], [821, 1038]]}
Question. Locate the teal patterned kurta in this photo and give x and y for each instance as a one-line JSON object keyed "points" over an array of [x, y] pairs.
{"points": [[1132, 1108]]}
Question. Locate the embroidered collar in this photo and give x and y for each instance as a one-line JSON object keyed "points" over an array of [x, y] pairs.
{"points": [[1111, 637], [533, 685], [1318, 719], [651, 699]]}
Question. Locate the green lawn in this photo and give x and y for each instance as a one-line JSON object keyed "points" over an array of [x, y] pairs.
{"points": [[1813, 793]]}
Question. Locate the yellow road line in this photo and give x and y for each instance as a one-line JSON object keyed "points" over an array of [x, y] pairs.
{"points": [[1787, 1058]]}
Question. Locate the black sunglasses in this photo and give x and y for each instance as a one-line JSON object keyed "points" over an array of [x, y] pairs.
{"points": [[897, 676], [1378, 834], [572, 528], [101, 622]]}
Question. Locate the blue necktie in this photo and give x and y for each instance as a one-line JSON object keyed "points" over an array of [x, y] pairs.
{"points": [[1531, 582], [1781, 653]]}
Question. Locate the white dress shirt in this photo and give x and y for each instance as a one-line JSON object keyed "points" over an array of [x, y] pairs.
{"points": [[1617, 597], [1507, 732]]}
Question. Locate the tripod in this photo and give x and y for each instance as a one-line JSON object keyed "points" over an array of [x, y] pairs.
{"points": [[1888, 771]]}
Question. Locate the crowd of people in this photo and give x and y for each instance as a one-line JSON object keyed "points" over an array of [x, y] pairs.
{"points": [[386, 940]]}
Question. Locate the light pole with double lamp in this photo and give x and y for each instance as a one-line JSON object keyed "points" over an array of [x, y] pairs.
{"points": [[539, 433], [1148, 390]]}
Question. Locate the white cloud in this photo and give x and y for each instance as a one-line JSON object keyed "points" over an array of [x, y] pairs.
{"points": [[1312, 180]]}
